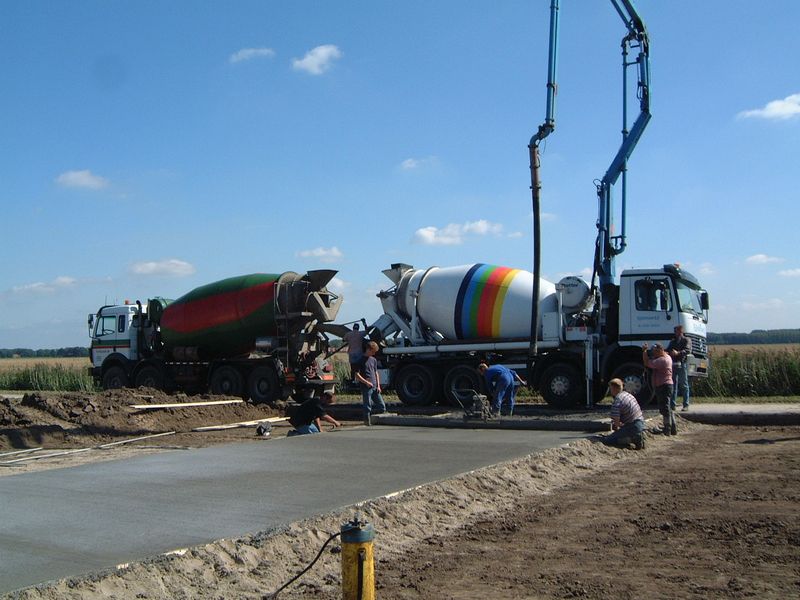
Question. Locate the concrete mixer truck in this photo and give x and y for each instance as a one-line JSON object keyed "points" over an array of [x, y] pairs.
{"points": [[256, 336], [439, 323]]}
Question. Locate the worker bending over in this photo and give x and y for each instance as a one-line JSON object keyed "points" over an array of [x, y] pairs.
{"points": [[306, 419], [500, 383]]}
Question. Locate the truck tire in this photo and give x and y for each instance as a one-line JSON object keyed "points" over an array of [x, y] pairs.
{"points": [[459, 383], [115, 378], [417, 385], [149, 376], [562, 385], [263, 386], [635, 381], [226, 381]]}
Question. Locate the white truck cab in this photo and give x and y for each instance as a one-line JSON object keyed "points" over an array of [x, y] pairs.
{"points": [[111, 333], [652, 302]]}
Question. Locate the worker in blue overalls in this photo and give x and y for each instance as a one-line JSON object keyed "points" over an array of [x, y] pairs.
{"points": [[500, 383]]}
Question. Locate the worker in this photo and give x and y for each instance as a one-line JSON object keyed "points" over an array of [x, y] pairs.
{"points": [[369, 379], [500, 383], [661, 379], [679, 348], [306, 419], [627, 421], [355, 350]]}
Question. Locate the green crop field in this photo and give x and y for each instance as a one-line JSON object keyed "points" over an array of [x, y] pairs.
{"points": [[763, 373]]}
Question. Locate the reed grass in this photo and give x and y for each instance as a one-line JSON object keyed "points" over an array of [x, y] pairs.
{"points": [[47, 377], [751, 373]]}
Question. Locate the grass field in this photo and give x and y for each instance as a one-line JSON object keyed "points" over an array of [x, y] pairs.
{"points": [[11, 364], [759, 373]]}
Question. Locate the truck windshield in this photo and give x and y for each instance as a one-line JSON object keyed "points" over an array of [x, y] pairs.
{"points": [[688, 299]]}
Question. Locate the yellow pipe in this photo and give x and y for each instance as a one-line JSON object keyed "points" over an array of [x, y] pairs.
{"points": [[358, 566]]}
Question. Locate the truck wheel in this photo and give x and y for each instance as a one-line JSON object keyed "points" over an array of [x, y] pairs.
{"points": [[115, 378], [562, 386], [263, 386], [226, 381], [634, 381], [459, 384], [149, 376], [416, 385]]}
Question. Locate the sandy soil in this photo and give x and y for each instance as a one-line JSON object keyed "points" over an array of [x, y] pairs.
{"points": [[710, 513]]}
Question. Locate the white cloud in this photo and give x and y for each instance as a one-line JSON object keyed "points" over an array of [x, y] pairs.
{"points": [[81, 179], [250, 53], [706, 268], [338, 285], [326, 255], [778, 110], [171, 267], [317, 60], [762, 259], [41, 287], [411, 164], [515, 234], [453, 234], [790, 273]]}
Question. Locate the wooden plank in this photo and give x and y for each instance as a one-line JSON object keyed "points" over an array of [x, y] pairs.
{"points": [[184, 404], [66, 452], [41, 456], [241, 424], [144, 437], [20, 451]]}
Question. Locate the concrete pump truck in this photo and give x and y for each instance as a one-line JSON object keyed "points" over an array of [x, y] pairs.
{"points": [[439, 323]]}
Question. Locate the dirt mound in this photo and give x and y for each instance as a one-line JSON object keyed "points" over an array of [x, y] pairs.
{"points": [[86, 419]]}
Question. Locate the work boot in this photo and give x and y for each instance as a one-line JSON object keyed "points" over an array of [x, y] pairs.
{"points": [[685, 408], [674, 429], [367, 420], [640, 444]]}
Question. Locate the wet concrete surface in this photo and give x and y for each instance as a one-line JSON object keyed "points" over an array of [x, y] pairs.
{"points": [[70, 521]]}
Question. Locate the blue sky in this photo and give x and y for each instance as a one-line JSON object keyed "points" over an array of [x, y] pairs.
{"points": [[151, 147]]}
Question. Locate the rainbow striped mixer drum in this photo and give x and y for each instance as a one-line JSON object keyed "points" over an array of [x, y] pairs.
{"points": [[479, 301]]}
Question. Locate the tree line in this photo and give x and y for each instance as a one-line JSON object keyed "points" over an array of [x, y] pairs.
{"points": [[73, 351], [757, 336]]}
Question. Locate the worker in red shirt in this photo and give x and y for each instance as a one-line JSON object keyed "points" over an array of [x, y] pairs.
{"points": [[660, 365]]}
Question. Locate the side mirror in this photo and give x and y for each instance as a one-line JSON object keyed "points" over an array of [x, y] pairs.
{"points": [[704, 300], [90, 321]]}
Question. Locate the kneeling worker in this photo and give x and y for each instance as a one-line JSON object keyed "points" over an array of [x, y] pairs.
{"points": [[627, 420], [306, 419]]}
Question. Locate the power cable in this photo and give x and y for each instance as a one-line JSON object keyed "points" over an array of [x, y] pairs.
{"points": [[304, 571]]}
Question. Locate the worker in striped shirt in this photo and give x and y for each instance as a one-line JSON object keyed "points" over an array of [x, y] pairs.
{"points": [[627, 421]]}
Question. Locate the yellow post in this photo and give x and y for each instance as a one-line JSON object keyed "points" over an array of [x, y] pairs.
{"points": [[358, 567]]}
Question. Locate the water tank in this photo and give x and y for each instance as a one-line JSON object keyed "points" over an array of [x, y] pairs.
{"points": [[575, 294]]}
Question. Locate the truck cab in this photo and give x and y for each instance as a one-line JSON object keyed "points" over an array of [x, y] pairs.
{"points": [[111, 332], [114, 332], [652, 302]]}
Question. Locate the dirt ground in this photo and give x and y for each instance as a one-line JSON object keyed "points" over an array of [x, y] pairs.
{"points": [[712, 513], [76, 421]]}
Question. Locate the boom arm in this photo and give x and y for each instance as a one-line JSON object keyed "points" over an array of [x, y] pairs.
{"points": [[609, 245]]}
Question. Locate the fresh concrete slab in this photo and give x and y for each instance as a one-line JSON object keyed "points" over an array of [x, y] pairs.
{"points": [[457, 421], [66, 522]]}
